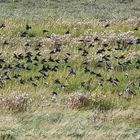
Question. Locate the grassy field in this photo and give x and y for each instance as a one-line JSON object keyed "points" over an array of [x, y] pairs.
{"points": [[69, 70], [82, 9]]}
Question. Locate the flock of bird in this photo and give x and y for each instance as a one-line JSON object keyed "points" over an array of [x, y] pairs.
{"points": [[34, 62]]}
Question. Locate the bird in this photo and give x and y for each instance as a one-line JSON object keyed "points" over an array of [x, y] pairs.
{"points": [[106, 25], [85, 53], [67, 32], [23, 34], [2, 60], [34, 84], [138, 41], [136, 28], [45, 31], [113, 81], [2, 25], [72, 71], [100, 51], [27, 27], [54, 93], [66, 59]]}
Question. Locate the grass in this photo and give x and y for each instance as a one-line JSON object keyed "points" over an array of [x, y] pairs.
{"points": [[83, 9], [28, 110]]}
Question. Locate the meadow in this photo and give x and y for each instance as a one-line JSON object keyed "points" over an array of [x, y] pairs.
{"points": [[69, 70]]}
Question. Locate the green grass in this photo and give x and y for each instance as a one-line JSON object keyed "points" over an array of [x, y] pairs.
{"points": [[84, 9]]}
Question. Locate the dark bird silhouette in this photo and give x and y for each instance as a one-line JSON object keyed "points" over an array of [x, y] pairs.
{"points": [[45, 31], [136, 28], [138, 61], [2, 25], [113, 81], [67, 32], [66, 59], [54, 93], [72, 71], [23, 34], [57, 82], [86, 69], [2, 60], [100, 51], [28, 27], [85, 53], [34, 84], [106, 25], [138, 41], [22, 81], [5, 42]]}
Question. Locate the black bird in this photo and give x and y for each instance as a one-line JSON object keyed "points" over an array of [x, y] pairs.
{"points": [[2, 25], [5, 42], [30, 79], [55, 68], [51, 59], [57, 60], [121, 57], [57, 81], [37, 77], [18, 56], [138, 61], [80, 49], [28, 55], [72, 71], [100, 51], [34, 84], [22, 81], [28, 27], [16, 76], [2, 60], [36, 58], [43, 61], [66, 59], [52, 51], [101, 81], [96, 39], [138, 41], [113, 81], [127, 62], [23, 34], [85, 63], [91, 45], [106, 25], [104, 44], [45, 69], [108, 66], [136, 28], [106, 57], [86, 69], [38, 54], [54, 93], [29, 60], [98, 75], [67, 32], [85, 53], [45, 31]]}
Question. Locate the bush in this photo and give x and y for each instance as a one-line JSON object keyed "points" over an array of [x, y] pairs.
{"points": [[17, 102], [76, 100]]}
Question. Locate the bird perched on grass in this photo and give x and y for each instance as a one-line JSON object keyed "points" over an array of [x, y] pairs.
{"points": [[27, 27], [2, 25]]}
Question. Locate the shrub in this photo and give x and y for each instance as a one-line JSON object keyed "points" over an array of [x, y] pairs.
{"points": [[76, 100], [17, 102]]}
